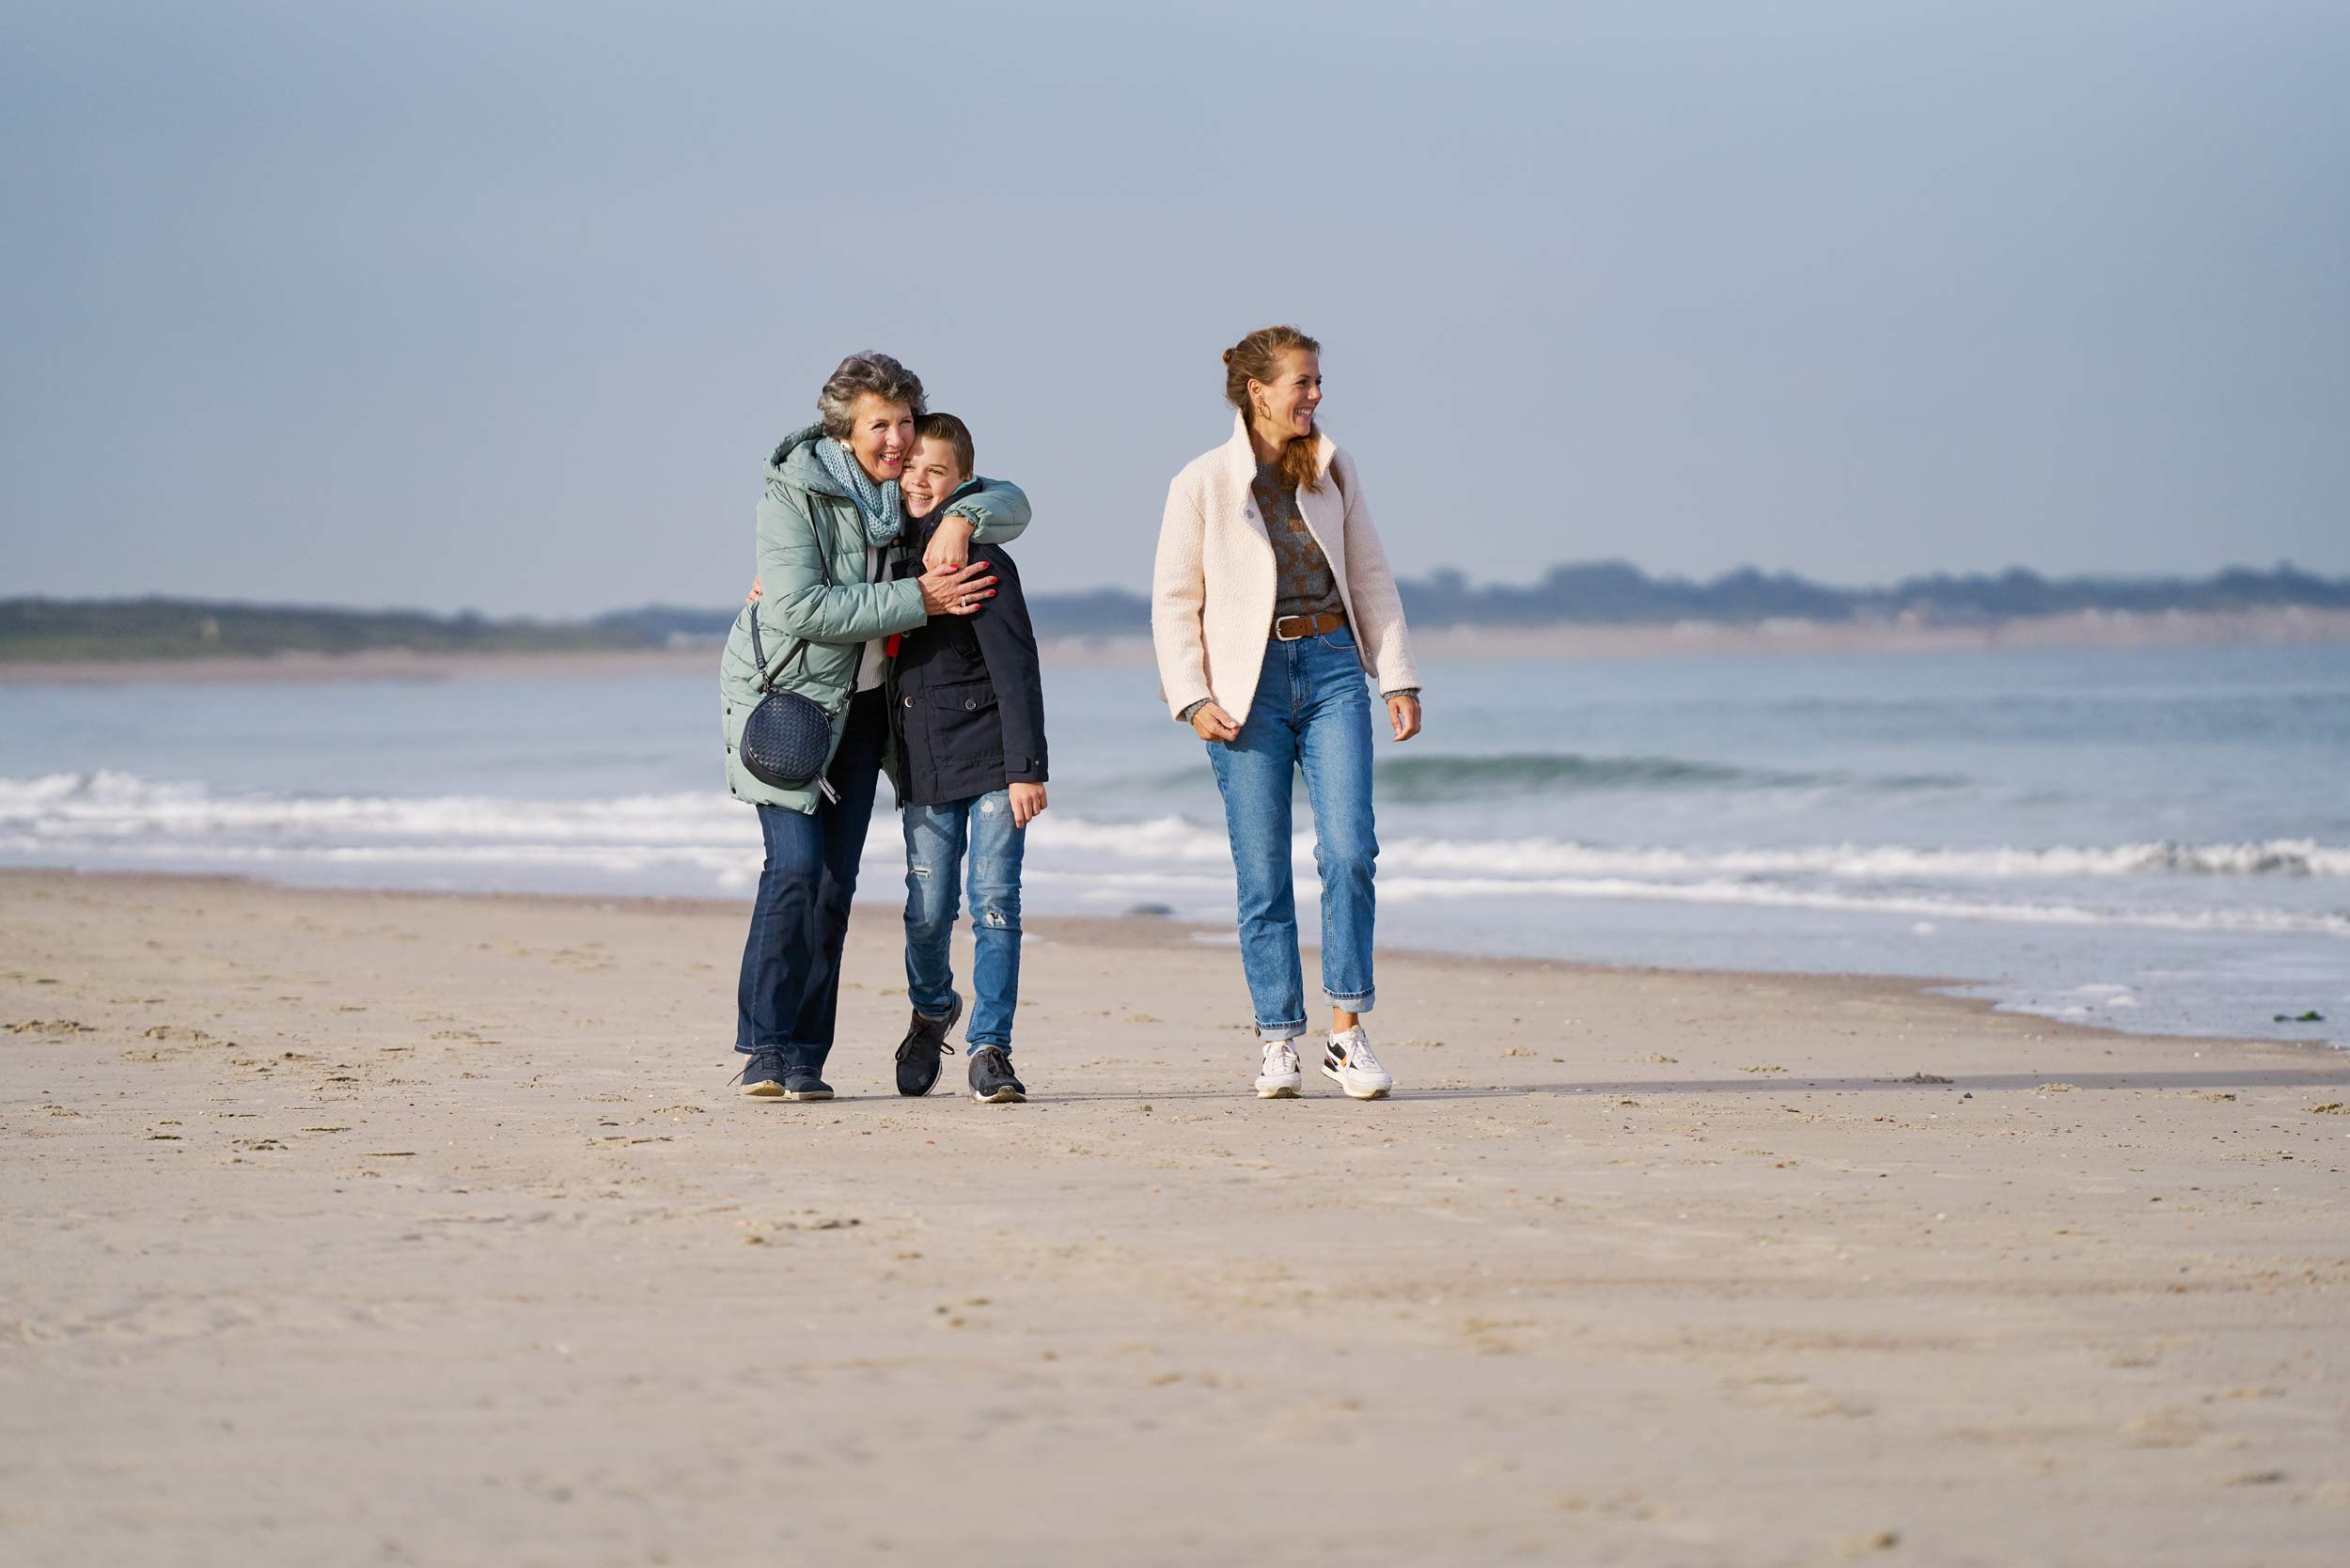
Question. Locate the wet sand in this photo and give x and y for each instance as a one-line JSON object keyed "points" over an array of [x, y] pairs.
{"points": [[365, 1228]]}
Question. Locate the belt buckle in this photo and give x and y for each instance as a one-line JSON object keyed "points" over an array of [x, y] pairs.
{"points": [[1293, 619]]}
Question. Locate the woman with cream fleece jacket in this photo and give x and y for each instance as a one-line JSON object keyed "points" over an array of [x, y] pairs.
{"points": [[1271, 600]]}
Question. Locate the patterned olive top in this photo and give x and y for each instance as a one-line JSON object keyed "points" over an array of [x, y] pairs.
{"points": [[1303, 582]]}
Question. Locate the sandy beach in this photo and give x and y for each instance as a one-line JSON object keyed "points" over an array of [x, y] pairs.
{"points": [[352, 1227]]}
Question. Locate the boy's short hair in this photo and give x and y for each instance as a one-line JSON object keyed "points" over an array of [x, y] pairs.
{"points": [[946, 428]]}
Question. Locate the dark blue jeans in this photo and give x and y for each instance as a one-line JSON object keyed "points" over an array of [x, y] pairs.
{"points": [[790, 985]]}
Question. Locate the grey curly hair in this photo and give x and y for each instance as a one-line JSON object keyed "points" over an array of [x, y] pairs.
{"points": [[877, 373]]}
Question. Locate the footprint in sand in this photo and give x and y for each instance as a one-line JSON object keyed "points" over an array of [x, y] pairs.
{"points": [[174, 1041]]}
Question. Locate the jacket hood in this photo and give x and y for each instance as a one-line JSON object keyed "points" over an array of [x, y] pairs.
{"points": [[795, 462]]}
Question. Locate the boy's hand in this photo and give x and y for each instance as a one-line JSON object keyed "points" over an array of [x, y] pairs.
{"points": [[1213, 724], [1027, 803], [752, 597], [950, 591], [1404, 713], [950, 543]]}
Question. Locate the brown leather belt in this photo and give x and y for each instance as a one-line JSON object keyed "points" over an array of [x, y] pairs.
{"points": [[1291, 628]]}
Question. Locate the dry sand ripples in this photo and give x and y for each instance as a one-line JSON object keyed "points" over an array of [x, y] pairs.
{"points": [[366, 1227]]}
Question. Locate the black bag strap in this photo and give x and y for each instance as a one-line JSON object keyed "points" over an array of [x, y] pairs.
{"points": [[768, 678]]}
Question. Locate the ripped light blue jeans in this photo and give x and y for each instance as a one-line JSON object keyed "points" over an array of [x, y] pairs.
{"points": [[936, 840]]}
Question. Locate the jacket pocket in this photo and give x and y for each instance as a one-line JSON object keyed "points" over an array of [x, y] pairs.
{"points": [[964, 696], [963, 723]]}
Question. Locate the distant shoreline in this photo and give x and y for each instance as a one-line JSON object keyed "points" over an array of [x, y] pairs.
{"points": [[1572, 640]]}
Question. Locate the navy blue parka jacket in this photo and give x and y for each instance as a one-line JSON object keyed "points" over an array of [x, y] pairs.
{"points": [[966, 700]]}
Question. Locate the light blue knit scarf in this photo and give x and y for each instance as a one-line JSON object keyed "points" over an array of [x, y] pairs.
{"points": [[878, 505]]}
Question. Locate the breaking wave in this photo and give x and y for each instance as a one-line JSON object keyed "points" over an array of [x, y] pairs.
{"points": [[1432, 779], [702, 840]]}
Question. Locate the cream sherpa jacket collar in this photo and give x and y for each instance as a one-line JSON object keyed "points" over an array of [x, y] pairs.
{"points": [[1212, 586]]}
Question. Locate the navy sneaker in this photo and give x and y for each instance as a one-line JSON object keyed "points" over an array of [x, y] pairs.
{"points": [[763, 1076], [992, 1081], [918, 1053], [801, 1083]]}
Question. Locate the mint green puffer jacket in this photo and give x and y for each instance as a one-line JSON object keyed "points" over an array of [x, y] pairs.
{"points": [[805, 511]]}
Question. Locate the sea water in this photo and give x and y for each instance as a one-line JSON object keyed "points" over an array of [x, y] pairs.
{"points": [[2149, 840]]}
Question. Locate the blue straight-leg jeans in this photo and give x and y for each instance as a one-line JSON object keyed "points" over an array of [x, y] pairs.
{"points": [[936, 842], [790, 985], [1312, 713]]}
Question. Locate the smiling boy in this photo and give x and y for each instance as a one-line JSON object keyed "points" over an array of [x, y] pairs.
{"points": [[968, 760]]}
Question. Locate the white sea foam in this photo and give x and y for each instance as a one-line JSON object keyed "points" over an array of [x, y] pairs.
{"points": [[1885, 862], [704, 838], [1767, 896], [1179, 839], [114, 805], [117, 820]]}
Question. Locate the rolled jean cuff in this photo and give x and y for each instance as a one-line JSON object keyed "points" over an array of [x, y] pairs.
{"points": [[1363, 1003], [1271, 1032], [783, 1048]]}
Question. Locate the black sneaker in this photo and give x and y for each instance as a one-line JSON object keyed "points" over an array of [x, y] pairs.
{"points": [[763, 1076], [801, 1083], [918, 1053], [991, 1083]]}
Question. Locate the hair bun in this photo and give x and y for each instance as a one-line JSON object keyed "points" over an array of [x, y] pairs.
{"points": [[1228, 357]]}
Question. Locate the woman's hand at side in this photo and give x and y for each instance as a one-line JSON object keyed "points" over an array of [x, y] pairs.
{"points": [[1213, 724], [1027, 803], [1404, 713], [957, 590]]}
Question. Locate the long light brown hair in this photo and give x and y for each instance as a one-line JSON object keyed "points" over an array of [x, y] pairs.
{"points": [[1258, 358]]}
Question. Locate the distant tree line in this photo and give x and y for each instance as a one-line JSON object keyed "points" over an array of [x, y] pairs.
{"points": [[1589, 593], [35, 628], [1619, 593]]}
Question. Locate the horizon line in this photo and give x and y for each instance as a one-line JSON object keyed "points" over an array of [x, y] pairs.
{"points": [[1437, 577]]}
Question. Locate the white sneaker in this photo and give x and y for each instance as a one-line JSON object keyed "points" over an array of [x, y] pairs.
{"points": [[1347, 1061], [1282, 1074]]}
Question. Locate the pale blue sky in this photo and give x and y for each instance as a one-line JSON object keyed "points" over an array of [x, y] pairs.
{"points": [[501, 305]]}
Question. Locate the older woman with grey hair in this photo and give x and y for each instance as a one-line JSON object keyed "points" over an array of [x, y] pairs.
{"points": [[830, 511]]}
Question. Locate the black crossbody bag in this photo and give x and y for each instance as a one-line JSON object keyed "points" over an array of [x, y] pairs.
{"points": [[786, 739]]}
